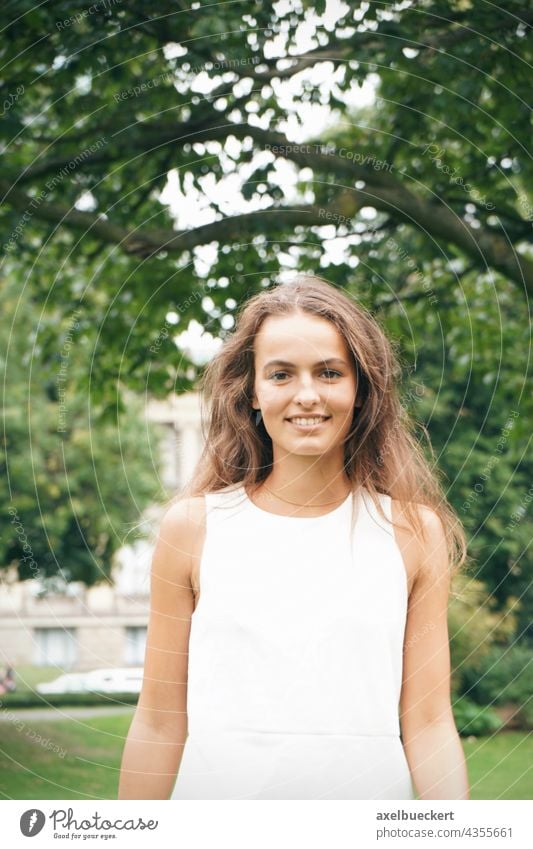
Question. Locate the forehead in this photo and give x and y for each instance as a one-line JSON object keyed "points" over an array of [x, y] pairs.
{"points": [[299, 336]]}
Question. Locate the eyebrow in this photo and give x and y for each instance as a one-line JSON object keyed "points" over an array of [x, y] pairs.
{"points": [[286, 363]]}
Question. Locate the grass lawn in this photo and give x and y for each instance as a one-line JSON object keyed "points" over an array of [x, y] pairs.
{"points": [[500, 767], [80, 759], [74, 759]]}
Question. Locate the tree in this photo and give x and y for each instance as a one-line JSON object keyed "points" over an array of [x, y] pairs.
{"points": [[72, 482], [114, 98]]}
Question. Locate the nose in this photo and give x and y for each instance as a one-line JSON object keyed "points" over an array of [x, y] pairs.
{"points": [[306, 393]]}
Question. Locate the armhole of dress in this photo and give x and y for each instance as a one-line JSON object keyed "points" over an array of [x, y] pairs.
{"points": [[215, 505], [207, 509], [386, 501]]}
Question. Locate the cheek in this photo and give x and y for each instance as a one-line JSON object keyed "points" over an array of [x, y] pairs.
{"points": [[271, 397], [340, 399], [343, 405]]}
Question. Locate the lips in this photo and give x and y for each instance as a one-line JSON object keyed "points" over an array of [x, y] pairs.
{"points": [[314, 416], [308, 423]]}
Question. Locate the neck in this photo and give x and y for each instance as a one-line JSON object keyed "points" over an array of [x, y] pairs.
{"points": [[305, 480]]}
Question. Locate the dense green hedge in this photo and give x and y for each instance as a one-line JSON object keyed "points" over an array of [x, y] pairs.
{"points": [[36, 700], [503, 677], [474, 720]]}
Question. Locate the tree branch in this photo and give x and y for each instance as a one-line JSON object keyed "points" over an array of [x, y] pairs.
{"points": [[150, 137], [485, 249], [438, 42]]}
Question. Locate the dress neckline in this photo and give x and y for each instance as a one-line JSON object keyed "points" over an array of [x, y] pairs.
{"points": [[297, 518]]}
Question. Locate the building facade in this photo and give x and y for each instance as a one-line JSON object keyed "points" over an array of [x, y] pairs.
{"points": [[82, 628]]}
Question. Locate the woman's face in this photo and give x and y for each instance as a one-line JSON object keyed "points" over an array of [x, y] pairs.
{"points": [[303, 370]]}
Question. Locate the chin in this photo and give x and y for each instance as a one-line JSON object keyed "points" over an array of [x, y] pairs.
{"points": [[308, 450]]}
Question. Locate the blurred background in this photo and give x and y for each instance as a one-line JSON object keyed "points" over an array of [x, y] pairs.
{"points": [[161, 164]]}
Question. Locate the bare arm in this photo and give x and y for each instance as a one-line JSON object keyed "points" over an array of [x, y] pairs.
{"points": [[431, 742], [155, 741]]}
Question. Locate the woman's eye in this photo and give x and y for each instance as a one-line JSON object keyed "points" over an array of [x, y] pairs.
{"points": [[327, 371]]}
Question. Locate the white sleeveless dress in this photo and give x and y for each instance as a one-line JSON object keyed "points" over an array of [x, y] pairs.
{"points": [[295, 656]]}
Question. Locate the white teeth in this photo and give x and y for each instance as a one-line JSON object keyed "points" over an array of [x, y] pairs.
{"points": [[308, 421]]}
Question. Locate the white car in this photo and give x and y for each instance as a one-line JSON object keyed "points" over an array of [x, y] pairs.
{"points": [[127, 680], [71, 682]]}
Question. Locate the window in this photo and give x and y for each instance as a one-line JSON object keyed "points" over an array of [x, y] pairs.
{"points": [[56, 647], [135, 645]]}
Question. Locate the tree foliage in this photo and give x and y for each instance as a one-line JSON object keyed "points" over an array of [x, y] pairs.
{"points": [[74, 482]]}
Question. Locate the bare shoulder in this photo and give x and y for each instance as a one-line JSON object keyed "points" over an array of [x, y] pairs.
{"points": [[181, 533], [184, 515], [435, 556], [426, 514], [424, 555]]}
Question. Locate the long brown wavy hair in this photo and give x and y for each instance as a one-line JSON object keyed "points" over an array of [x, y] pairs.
{"points": [[381, 451]]}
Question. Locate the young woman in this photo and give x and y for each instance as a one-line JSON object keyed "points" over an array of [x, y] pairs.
{"points": [[298, 619]]}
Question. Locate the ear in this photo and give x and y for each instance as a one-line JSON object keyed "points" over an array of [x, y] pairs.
{"points": [[255, 402]]}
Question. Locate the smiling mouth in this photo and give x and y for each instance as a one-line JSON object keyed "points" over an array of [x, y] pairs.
{"points": [[308, 421]]}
